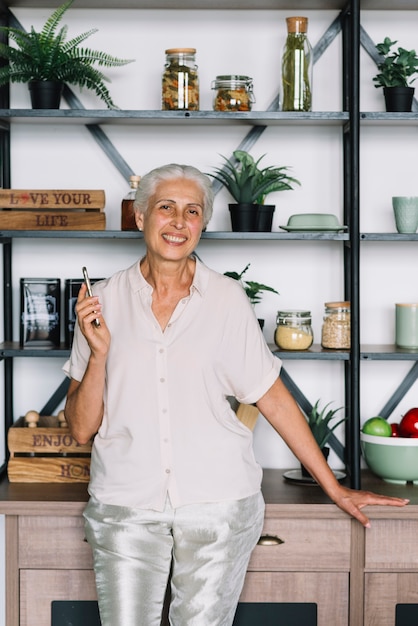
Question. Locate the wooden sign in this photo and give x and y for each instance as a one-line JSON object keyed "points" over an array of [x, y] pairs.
{"points": [[46, 453], [61, 199], [48, 470], [52, 220]]}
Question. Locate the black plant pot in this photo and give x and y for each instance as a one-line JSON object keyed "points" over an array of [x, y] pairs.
{"points": [[304, 471], [253, 218], [45, 94], [264, 220], [398, 99], [243, 217]]}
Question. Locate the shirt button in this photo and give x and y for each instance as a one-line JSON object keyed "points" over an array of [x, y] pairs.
{"points": [[162, 380], [167, 471], [161, 350]]}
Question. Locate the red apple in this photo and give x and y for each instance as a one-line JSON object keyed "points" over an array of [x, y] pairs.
{"points": [[409, 423], [395, 430]]}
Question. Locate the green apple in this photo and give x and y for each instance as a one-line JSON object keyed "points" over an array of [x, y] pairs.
{"points": [[377, 426]]}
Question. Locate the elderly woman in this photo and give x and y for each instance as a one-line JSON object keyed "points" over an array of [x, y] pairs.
{"points": [[175, 487]]}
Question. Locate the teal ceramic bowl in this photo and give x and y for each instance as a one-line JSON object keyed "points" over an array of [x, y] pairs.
{"points": [[395, 459]]}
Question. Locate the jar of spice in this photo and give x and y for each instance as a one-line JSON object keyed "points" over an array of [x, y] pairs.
{"points": [[233, 93], [336, 326], [294, 330], [180, 84]]}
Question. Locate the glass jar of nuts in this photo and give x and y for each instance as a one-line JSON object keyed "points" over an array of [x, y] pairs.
{"points": [[336, 327]]}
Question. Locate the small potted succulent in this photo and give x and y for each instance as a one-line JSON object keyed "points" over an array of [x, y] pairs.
{"points": [[46, 61], [397, 70], [249, 185], [252, 288], [319, 423]]}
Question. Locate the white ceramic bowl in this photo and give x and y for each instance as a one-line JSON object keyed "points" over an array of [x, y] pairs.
{"points": [[395, 459]]}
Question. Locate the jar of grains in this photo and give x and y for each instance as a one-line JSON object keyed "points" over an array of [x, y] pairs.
{"points": [[233, 93], [180, 85], [294, 330], [336, 326]]}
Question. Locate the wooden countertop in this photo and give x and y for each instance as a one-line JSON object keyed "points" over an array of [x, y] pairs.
{"points": [[279, 493]]}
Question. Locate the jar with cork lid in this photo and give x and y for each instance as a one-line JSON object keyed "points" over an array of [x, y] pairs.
{"points": [[297, 63], [294, 330], [336, 329], [180, 83]]}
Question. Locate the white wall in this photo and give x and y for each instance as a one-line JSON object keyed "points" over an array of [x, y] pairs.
{"points": [[306, 274]]}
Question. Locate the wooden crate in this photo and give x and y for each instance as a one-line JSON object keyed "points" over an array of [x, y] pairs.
{"points": [[52, 209], [46, 454]]}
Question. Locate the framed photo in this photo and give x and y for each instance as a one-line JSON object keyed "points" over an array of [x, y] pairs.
{"points": [[40, 308]]}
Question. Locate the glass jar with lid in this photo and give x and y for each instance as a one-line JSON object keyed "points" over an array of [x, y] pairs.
{"points": [[233, 92], [180, 83], [297, 64], [294, 330], [336, 329]]}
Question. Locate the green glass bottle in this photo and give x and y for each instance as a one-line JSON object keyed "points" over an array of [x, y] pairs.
{"points": [[297, 64]]}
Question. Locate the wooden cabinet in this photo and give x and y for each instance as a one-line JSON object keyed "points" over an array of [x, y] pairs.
{"points": [[310, 552]]}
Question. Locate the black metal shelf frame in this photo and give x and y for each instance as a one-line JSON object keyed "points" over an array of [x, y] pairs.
{"points": [[345, 23]]}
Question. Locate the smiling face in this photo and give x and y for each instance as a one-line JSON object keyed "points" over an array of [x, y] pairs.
{"points": [[173, 223]]}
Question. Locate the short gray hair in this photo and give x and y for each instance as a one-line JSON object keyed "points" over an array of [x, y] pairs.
{"points": [[149, 182]]}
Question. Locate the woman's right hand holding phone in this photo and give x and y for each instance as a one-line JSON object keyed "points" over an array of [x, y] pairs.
{"points": [[89, 309]]}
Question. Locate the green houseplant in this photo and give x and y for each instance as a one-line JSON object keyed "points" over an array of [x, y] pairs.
{"points": [[46, 60], [249, 185], [319, 423], [397, 70], [252, 289]]}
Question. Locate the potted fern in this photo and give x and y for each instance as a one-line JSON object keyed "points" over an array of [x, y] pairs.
{"points": [[397, 70], [249, 185], [46, 61], [319, 423]]}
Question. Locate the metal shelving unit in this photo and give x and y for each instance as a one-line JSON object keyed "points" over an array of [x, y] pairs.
{"points": [[95, 120], [348, 122]]}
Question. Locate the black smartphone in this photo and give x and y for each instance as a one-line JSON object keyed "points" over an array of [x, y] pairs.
{"points": [[89, 290]]}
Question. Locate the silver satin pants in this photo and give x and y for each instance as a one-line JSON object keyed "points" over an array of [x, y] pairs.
{"points": [[206, 546]]}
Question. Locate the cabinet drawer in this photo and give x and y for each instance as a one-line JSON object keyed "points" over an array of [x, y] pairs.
{"points": [[383, 591], [38, 588], [329, 591], [392, 544], [55, 542], [308, 544]]}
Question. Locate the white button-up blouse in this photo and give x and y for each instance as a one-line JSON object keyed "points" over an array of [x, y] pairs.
{"points": [[168, 427]]}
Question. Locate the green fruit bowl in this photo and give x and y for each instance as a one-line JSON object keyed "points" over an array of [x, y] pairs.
{"points": [[395, 459]]}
